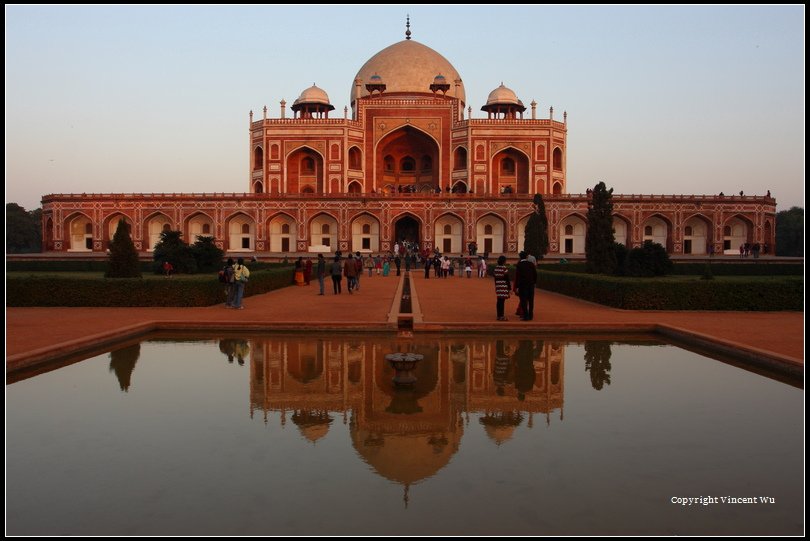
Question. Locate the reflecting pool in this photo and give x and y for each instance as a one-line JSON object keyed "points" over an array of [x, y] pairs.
{"points": [[308, 434]]}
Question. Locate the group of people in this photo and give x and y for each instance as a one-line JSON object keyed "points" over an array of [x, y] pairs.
{"points": [[754, 249], [236, 275], [524, 286]]}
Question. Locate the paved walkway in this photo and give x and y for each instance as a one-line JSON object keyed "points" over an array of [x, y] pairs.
{"points": [[445, 303]]}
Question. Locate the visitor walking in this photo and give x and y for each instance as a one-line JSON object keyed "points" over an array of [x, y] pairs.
{"points": [[307, 270], [502, 286], [350, 271]]}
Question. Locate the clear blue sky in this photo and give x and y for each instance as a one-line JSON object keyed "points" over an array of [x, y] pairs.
{"points": [[660, 99]]}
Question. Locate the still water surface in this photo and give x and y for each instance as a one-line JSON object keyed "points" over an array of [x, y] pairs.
{"points": [[308, 435]]}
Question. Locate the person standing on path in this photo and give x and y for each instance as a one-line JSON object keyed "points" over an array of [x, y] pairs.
{"points": [[526, 282], [350, 270], [321, 270], [336, 271], [230, 289], [502, 286], [240, 277]]}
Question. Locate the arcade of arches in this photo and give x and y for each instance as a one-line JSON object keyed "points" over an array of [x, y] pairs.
{"points": [[407, 160]]}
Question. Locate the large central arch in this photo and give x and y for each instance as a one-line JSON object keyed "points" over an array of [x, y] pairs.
{"points": [[407, 228], [407, 160]]}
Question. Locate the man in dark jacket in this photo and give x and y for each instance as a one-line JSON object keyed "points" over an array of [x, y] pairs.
{"points": [[525, 283]]}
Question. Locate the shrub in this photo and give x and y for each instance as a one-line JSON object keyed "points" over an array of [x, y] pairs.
{"points": [[123, 261], [207, 255], [93, 290], [171, 248], [682, 293], [651, 259]]}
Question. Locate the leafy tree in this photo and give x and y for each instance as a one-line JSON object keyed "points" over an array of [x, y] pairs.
{"points": [[599, 251], [171, 248], [597, 362], [207, 255], [790, 232], [651, 259], [536, 238], [123, 261], [23, 230]]}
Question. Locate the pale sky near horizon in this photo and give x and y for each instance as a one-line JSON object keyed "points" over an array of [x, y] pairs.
{"points": [[660, 100]]}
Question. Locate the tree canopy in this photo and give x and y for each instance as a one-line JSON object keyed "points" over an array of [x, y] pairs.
{"points": [[23, 230], [600, 253], [790, 232], [536, 232]]}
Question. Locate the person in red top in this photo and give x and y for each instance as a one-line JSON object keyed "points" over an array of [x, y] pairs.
{"points": [[168, 269]]}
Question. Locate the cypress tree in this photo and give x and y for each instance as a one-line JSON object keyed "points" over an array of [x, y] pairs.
{"points": [[600, 253], [123, 261], [536, 232]]}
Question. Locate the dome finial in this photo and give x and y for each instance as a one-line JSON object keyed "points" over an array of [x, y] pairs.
{"points": [[408, 26]]}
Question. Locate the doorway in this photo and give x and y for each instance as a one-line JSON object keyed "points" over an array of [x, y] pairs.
{"points": [[406, 229]]}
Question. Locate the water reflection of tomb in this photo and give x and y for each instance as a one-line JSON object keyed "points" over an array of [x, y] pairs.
{"points": [[406, 435]]}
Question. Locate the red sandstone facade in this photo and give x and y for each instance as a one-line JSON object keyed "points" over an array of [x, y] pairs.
{"points": [[408, 163]]}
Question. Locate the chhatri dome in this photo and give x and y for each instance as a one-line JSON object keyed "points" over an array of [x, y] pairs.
{"points": [[313, 95], [502, 96], [408, 66]]}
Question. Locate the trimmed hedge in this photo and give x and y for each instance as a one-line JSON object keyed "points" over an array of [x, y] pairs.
{"points": [[198, 290], [687, 293], [719, 268]]}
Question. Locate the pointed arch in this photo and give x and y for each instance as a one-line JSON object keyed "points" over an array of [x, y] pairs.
{"points": [[697, 234], [355, 158], [153, 225], [737, 230], [622, 227], [460, 157], [460, 186], [572, 230], [391, 167], [407, 226], [490, 232], [241, 232], [258, 158], [658, 229], [448, 231], [79, 236], [323, 232], [510, 171], [304, 170], [365, 232], [282, 232], [557, 159], [198, 224]]}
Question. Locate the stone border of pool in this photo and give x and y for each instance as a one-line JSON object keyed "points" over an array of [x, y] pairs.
{"points": [[750, 356], [453, 305]]}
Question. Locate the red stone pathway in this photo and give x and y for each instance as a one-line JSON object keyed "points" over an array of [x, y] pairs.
{"points": [[445, 303]]}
